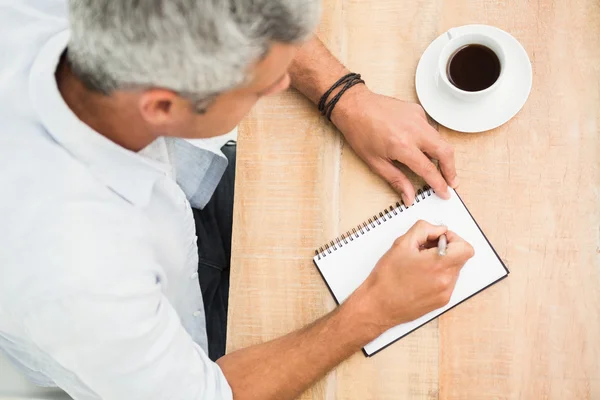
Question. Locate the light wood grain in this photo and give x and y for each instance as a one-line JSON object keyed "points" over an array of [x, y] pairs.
{"points": [[532, 184]]}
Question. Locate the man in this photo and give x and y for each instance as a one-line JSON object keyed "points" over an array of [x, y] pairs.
{"points": [[105, 290]]}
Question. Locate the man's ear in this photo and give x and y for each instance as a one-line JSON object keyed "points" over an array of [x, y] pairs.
{"points": [[162, 108]]}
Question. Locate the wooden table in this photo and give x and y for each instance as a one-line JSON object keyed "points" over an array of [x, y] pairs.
{"points": [[533, 185]]}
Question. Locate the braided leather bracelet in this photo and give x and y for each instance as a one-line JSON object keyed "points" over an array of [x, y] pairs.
{"points": [[348, 80]]}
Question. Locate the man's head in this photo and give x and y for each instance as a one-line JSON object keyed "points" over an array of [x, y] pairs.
{"points": [[189, 68]]}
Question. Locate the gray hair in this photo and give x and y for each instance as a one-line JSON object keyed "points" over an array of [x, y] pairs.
{"points": [[198, 48]]}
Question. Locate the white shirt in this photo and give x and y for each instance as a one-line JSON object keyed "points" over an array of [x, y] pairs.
{"points": [[98, 259]]}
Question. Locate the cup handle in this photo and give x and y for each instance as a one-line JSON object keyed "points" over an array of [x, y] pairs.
{"points": [[451, 34]]}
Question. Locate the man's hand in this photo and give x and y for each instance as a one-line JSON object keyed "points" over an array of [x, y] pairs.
{"points": [[412, 279], [382, 130]]}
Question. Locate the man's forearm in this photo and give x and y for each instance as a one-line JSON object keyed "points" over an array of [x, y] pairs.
{"points": [[314, 69], [284, 368]]}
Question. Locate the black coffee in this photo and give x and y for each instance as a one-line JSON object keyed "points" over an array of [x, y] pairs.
{"points": [[473, 68]]}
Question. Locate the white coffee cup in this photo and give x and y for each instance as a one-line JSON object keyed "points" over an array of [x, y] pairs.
{"points": [[457, 41]]}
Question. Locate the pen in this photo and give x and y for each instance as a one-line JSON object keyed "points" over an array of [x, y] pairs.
{"points": [[442, 244]]}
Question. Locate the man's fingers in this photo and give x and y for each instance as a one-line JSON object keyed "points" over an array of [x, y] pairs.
{"points": [[418, 162], [442, 151], [423, 232], [430, 244], [461, 251], [453, 237], [398, 181], [458, 251]]}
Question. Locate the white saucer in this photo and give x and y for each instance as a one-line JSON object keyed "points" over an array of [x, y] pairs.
{"points": [[492, 111]]}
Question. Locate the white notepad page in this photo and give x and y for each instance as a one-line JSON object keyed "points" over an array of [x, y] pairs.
{"points": [[347, 267]]}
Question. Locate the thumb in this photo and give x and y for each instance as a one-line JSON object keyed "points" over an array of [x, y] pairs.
{"points": [[423, 231], [397, 180]]}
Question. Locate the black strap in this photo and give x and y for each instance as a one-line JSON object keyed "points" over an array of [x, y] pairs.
{"points": [[339, 82], [331, 105], [348, 80]]}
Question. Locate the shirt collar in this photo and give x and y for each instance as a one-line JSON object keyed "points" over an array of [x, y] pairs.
{"points": [[127, 173]]}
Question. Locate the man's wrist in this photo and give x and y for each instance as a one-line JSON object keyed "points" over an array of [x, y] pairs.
{"points": [[349, 104], [359, 314]]}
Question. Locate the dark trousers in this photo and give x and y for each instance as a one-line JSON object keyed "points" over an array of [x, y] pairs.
{"points": [[213, 228]]}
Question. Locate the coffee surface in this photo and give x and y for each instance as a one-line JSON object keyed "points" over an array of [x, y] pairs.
{"points": [[473, 68]]}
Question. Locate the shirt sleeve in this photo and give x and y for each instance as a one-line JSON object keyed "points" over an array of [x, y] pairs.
{"points": [[97, 308], [128, 346]]}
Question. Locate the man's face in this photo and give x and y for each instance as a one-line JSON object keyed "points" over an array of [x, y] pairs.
{"points": [[178, 119]]}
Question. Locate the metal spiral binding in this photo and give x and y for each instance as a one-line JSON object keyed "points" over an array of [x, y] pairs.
{"points": [[371, 223]]}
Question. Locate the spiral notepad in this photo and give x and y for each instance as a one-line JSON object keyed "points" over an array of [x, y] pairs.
{"points": [[346, 261]]}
